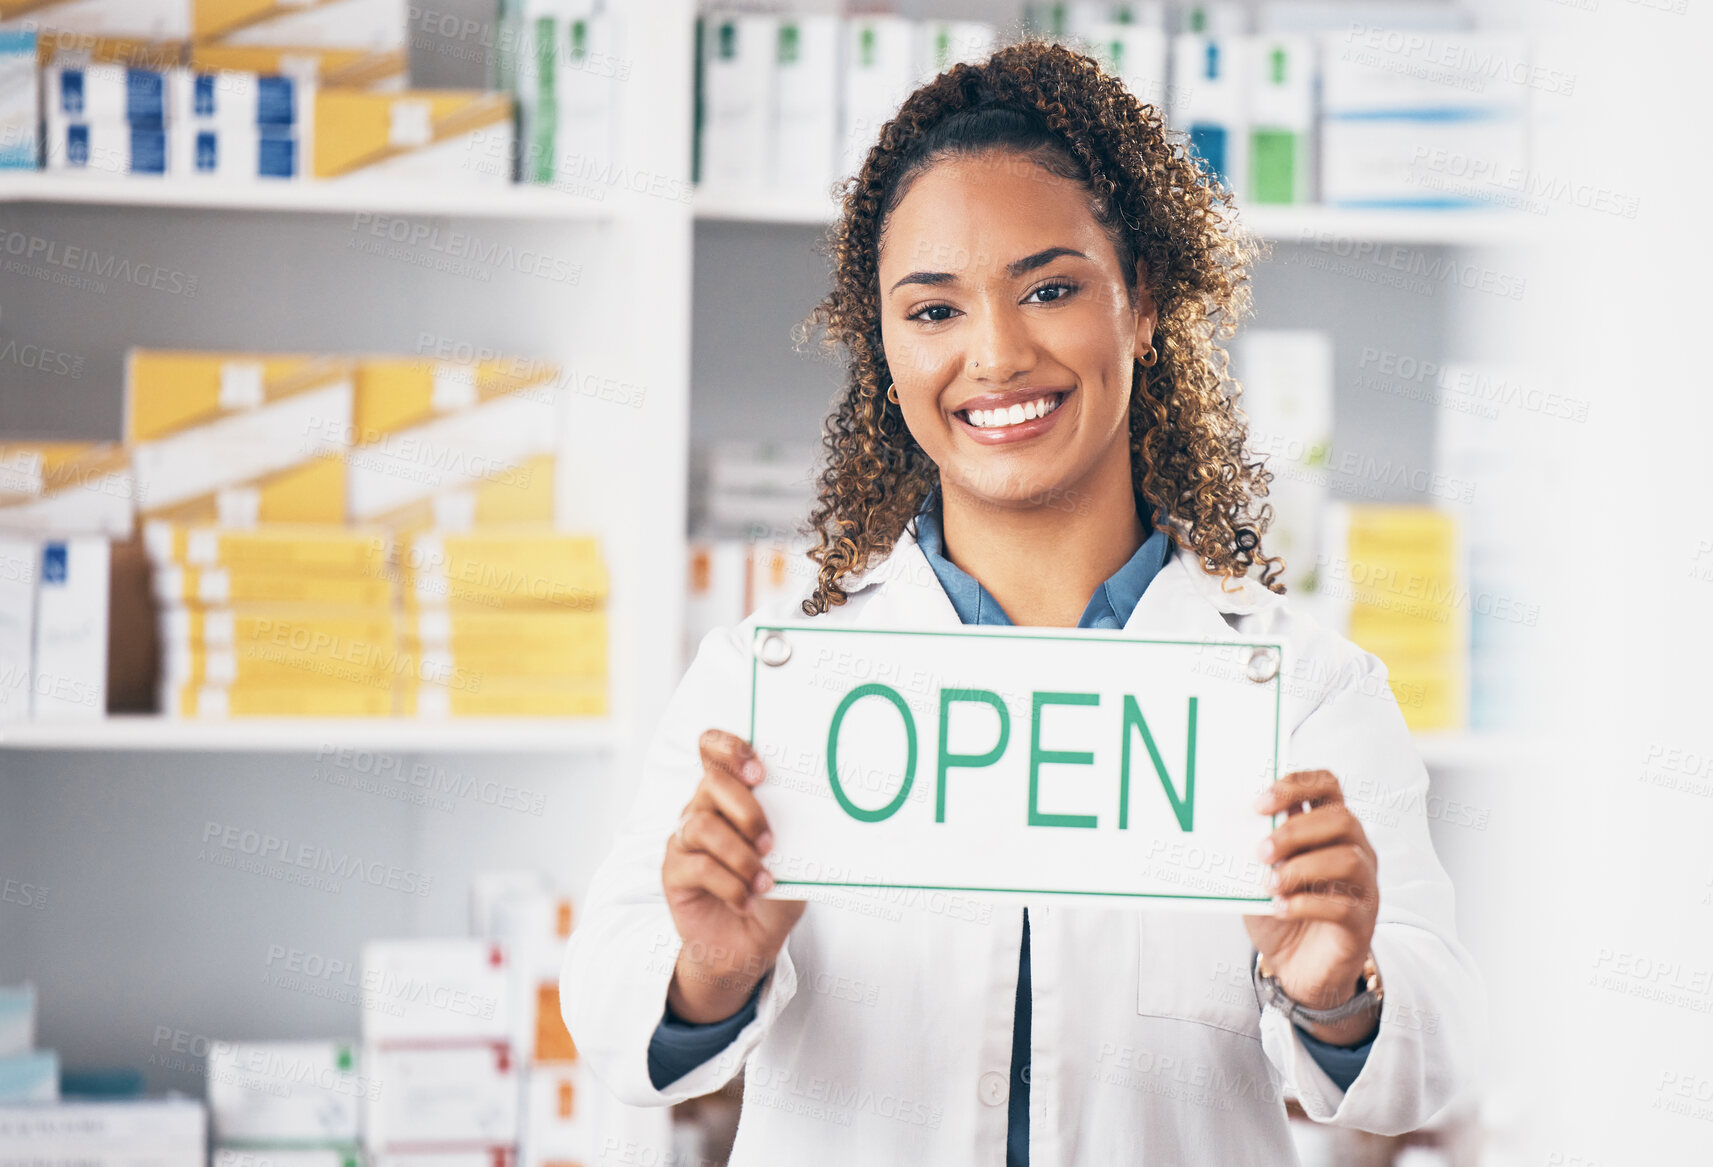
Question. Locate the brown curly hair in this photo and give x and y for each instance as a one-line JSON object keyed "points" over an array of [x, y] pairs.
{"points": [[1157, 202]]}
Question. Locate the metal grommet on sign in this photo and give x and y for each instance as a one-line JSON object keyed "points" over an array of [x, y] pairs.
{"points": [[1263, 665], [772, 648]]}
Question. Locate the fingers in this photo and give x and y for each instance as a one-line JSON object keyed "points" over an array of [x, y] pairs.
{"points": [[729, 752], [698, 871], [727, 796], [712, 834], [1324, 826], [1317, 787], [1346, 872]]}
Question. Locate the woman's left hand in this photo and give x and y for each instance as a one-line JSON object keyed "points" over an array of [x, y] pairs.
{"points": [[1326, 898]]}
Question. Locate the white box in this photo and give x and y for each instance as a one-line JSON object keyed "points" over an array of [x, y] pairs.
{"points": [[19, 563], [240, 99], [70, 672], [234, 153], [107, 93], [737, 99], [805, 133], [1222, 18], [568, 82], [287, 1157], [940, 44], [436, 990], [559, 1125], [451, 1097], [20, 101], [1136, 55], [333, 24], [1410, 162], [1208, 102], [879, 72], [1287, 378], [488, 889], [152, 1132], [104, 148], [480, 1157], [29, 1077], [285, 1091], [1281, 118], [17, 1013], [162, 20]]}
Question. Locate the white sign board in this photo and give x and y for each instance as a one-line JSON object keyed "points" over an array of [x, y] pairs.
{"points": [[1016, 763]]}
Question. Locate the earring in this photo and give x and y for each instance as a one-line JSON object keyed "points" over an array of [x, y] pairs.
{"points": [[1150, 357], [892, 393]]}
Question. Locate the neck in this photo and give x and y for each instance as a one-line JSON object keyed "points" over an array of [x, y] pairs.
{"points": [[1042, 560]]}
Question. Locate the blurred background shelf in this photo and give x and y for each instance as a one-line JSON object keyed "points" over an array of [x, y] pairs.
{"points": [[1480, 749], [1284, 224], [517, 202], [310, 735]]}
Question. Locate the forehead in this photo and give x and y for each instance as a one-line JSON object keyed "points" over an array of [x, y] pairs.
{"points": [[970, 213]]}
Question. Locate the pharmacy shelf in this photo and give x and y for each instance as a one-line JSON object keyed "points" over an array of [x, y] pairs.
{"points": [[308, 735], [338, 198], [1324, 227]]}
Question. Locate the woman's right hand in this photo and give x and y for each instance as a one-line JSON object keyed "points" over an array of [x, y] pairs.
{"points": [[714, 882]]}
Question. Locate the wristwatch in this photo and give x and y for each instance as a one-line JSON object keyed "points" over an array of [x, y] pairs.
{"points": [[1368, 994]]}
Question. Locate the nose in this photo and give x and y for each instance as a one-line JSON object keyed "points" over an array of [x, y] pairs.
{"points": [[1000, 346]]}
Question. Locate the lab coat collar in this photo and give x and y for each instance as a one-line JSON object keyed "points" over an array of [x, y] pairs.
{"points": [[1181, 600]]}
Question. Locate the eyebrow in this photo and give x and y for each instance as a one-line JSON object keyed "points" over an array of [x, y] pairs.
{"points": [[1013, 269]]}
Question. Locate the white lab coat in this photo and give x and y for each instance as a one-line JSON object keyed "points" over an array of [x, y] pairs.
{"points": [[883, 1034]]}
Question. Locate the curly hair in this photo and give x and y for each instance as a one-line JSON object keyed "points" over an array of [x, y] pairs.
{"points": [[1156, 202]]}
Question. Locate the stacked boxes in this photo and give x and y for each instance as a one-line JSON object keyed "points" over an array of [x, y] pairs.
{"points": [[27, 1074], [454, 136], [1396, 574], [20, 101], [504, 621], [437, 1030], [276, 620], [105, 118], [268, 1097], [564, 63], [238, 125], [160, 1132], [156, 20]]}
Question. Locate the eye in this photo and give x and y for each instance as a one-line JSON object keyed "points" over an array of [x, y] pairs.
{"points": [[1060, 289], [923, 311]]}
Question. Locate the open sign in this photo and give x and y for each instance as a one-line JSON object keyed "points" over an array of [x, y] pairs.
{"points": [[1016, 763]]}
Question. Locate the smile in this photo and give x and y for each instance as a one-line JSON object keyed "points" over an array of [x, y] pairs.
{"points": [[987, 419]]}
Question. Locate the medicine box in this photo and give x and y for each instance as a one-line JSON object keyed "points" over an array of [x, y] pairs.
{"points": [[69, 678], [285, 1091], [447, 1097], [67, 488]]}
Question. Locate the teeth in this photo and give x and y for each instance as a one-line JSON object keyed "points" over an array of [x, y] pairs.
{"points": [[1028, 411]]}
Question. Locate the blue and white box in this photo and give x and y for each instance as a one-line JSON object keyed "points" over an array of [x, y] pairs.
{"points": [[20, 101]]}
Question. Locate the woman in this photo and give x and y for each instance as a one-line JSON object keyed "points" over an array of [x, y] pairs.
{"points": [[1036, 429]]}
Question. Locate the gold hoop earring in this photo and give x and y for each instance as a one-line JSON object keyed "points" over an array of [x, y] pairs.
{"points": [[892, 393], [1150, 358]]}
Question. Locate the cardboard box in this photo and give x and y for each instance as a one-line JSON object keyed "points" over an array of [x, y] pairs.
{"points": [[82, 488], [1209, 102], [541, 641], [285, 1091], [243, 699], [354, 551], [153, 1132], [477, 695], [241, 585], [1281, 118], [879, 72], [111, 149], [504, 567], [737, 100], [456, 136], [238, 437], [453, 990], [804, 136], [336, 68], [17, 1019], [444, 1097], [558, 1126], [288, 1157], [20, 101], [369, 24], [70, 671]]}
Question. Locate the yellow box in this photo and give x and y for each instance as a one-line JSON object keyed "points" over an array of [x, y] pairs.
{"points": [[374, 69], [262, 700], [159, 20], [505, 567], [239, 438], [308, 628], [457, 136], [401, 393], [63, 47], [222, 586], [67, 488], [509, 699], [335, 23], [342, 550]]}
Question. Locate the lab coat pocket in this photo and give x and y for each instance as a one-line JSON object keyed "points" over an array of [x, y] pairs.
{"points": [[1195, 967]]}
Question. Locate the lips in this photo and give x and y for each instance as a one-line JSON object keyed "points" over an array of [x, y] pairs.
{"points": [[1006, 417]]}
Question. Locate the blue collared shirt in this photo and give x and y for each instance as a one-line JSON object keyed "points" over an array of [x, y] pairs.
{"points": [[679, 1046]]}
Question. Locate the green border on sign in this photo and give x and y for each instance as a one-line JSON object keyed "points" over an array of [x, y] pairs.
{"points": [[1278, 713]]}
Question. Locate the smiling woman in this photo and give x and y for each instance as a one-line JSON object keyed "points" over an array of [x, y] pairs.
{"points": [[1037, 429], [1030, 273]]}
